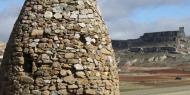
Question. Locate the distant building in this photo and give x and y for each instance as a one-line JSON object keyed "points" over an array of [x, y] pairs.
{"points": [[151, 40], [163, 36]]}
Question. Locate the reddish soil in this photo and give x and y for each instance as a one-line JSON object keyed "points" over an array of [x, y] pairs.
{"points": [[149, 74]]}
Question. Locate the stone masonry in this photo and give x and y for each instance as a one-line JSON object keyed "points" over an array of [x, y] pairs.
{"points": [[2, 47], [59, 47]]}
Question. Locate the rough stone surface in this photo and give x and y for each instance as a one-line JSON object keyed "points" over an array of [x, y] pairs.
{"points": [[59, 47], [2, 48]]}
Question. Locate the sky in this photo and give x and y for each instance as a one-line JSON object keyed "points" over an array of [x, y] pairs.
{"points": [[126, 19]]}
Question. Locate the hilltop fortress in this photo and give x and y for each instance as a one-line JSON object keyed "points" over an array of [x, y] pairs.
{"points": [[165, 41]]}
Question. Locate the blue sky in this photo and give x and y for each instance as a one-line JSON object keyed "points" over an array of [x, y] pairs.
{"points": [[152, 14], [126, 19]]}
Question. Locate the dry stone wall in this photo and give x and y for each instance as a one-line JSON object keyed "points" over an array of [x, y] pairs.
{"points": [[2, 47], [59, 47]]}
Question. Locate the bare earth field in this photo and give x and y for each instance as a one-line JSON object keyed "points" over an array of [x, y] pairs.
{"points": [[155, 81]]}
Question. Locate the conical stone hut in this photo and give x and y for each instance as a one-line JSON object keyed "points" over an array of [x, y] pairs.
{"points": [[59, 47]]}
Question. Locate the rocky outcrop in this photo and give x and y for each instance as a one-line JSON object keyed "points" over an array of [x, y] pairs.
{"points": [[167, 41], [163, 36], [153, 49], [59, 47]]}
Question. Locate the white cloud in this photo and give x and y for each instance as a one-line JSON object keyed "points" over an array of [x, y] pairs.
{"points": [[117, 15]]}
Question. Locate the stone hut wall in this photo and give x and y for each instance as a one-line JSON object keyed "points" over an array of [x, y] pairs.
{"points": [[59, 47]]}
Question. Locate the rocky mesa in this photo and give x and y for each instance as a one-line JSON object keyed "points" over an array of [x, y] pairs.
{"points": [[165, 48]]}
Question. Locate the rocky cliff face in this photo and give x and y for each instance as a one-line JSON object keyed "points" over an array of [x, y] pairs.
{"points": [[155, 39], [154, 49]]}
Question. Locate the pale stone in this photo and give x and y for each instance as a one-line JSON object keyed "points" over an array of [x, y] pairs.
{"points": [[96, 36], [80, 74], [57, 31], [69, 55], [77, 36], [88, 40], [110, 59], [47, 30], [83, 16], [89, 59], [69, 79], [80, 2], [46, 92], [48, 14], [74, 16], [91, 91], [105, 51], [58, 9], [57, 15], [72, 86], [63, 73], [82, 25], [52, 87], [36, 92], [93, 40], [90, 16], [78, 67], [73, 61], [56, 38], [63, 92], [69, 48], [54, 93], [47, 81], [61, 85], [33, 44]]}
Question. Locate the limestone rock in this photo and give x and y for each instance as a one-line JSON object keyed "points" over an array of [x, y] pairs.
{"points": [[69, 79], [91, 92], [63, 73], [48, 14], [78, 67], [72, 86], [80, 74], [58, 16], [69, 55]]}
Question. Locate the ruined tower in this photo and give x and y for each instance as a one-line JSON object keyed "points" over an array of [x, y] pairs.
{"points": [[59, 47]]}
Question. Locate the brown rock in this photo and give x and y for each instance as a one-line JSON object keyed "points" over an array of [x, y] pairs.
{"points": [[73, 61], [26, 79], [91, 91], [69, 79], [37, 32], [69, 55]]}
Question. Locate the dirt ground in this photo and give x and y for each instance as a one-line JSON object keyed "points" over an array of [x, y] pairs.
{"points": [[149, 79]]}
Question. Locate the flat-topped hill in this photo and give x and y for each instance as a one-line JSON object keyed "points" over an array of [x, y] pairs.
{"points": [[158, 48], [155, 42]]}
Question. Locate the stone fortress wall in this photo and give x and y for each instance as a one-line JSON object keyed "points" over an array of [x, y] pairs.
{"points": [[59, 47], [166, 41]]}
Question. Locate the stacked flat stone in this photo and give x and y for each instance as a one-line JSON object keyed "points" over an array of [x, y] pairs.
{"points": [[59, 47]]}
